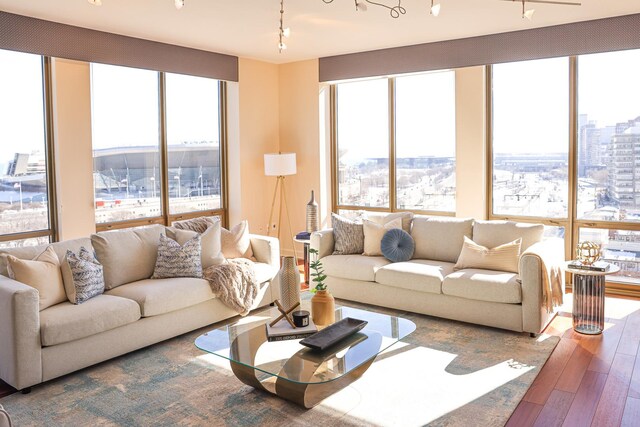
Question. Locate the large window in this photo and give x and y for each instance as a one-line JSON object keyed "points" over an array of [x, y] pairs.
{"points": [[126, 143], [153, 167], [400, 131], [531, 138], [25, 193]]}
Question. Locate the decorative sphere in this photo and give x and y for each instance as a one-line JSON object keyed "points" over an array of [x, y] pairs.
{"points": [[587, 252]]}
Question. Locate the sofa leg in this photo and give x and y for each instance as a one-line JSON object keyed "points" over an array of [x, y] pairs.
{"points": [[26, 390], [533, 335]]}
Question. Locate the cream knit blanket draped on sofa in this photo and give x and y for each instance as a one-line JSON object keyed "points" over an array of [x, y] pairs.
{"points": [[235, 283], [552, 278]]}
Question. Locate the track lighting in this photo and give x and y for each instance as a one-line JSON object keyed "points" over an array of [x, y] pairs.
{"points": [[360, 6], [179, 4], [95, 2], [527, 13], [435, 9], [282, 32]]}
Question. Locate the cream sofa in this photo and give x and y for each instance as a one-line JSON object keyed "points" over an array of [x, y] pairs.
{"points": [[37, 346], [431, 285]]}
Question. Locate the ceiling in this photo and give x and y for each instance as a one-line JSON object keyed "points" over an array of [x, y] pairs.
{"points": [[249, 28]]}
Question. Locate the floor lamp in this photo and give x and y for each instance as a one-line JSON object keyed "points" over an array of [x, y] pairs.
{"points": [[280, 165]]}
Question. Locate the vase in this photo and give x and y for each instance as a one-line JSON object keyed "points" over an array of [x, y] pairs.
{"points": [[289, 278], [323, 308], [312, 215]]}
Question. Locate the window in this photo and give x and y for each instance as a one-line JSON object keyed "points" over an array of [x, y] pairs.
{"points": [[126, 143], [193, 139], [25, 194], [426, 142], [418, 158], [530, 145]]}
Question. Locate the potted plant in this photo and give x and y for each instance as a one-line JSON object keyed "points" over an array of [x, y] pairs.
{"points": [[323, 308]]}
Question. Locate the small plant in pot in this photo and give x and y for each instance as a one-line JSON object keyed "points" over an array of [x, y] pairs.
{"points": [[322, 304]]}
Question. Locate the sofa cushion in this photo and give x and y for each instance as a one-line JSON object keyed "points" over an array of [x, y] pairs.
{"points": [[264, 272], [439, 238], [483, 285], [68, 322], [83, 276], [175, 260], [501, 258], [415, 275], [30, 252], [159, 296], [236, 242], [373, 234], [495, 233], [355, 267], [127, 255], [211, 242], [348, 236]]}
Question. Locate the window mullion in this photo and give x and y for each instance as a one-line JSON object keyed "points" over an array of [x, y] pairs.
{"points": [[164, 164], [392, 145]]}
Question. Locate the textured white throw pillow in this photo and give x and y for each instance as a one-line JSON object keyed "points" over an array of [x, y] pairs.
{"points": [[501, 258], [373, 233], [236, 242], [382, 218], [211, 243]]}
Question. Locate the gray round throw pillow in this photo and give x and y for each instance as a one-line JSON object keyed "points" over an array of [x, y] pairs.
{"points": [[397, 245]]}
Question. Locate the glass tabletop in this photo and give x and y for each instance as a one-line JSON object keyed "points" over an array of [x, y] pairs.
{"points": [[245, 342]]}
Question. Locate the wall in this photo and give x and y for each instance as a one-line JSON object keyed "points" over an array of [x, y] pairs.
{"points": [[73, 153]]}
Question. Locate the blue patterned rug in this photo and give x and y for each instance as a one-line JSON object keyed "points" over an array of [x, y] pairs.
{"points": [[445, 373]]}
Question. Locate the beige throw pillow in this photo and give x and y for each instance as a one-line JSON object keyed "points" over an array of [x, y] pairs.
{"points": [[211, 243], [501, 258], [373, 233], [236, 242], [42, 273], [383, 218]]}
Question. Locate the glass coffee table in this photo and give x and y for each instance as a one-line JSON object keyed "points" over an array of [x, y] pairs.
{"points": [[295, 372]]}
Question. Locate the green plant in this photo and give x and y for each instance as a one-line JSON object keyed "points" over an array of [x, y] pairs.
{"points": [[318, 272]]}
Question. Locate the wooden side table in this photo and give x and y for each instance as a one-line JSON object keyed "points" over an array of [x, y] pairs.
{"points": [[307, 245], [588, 299]]}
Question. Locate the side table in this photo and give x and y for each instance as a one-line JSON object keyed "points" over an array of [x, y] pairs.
{"points": [[588, 299], [307, 245]]}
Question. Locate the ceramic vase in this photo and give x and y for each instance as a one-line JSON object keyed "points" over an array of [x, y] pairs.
{"points": [[313, 224], [323, 308], [289, 278]]}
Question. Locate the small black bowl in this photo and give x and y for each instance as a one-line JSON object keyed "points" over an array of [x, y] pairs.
{"points": [[301, 318]]}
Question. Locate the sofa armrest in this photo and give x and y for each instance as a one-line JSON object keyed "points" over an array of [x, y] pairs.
{"points": [[322, 241], [266, 249], [20, 349], [547, 253]]}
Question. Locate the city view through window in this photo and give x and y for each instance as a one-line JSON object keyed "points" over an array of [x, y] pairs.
{"points": [[424, 143], [23, 166]]}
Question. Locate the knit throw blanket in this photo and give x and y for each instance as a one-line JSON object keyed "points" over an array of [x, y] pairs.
{"points": [[234, 283]]}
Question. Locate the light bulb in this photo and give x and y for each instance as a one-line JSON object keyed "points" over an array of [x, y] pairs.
{"points": [[528, 14], [435, 9], [179, 4], [95, 2], [282, 46], [286, 32]]}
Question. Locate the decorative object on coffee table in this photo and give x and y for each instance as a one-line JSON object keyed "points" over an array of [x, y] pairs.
{"points": [[587, 252], [313, 223], [331, 335], [588, 298], [289, 278], [322, 304], [284, 314]]}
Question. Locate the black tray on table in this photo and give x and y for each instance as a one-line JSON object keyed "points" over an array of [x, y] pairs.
{"points": [[333, 333]]}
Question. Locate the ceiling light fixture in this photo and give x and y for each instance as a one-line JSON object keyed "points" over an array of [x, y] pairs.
{"points": [[95, 2], [361, 6], [527, 13], [179, 4], [283, 32], [435, 9]]}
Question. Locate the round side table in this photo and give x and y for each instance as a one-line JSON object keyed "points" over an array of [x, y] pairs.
{"points": [[588, 299]]}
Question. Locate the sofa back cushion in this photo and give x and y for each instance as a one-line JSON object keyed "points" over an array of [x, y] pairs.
{"points": [[495, 233], [30, 252], [439, 238], [127, 255]]}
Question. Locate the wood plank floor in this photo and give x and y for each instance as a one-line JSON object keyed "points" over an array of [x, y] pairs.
{"points": [[588, 380]]}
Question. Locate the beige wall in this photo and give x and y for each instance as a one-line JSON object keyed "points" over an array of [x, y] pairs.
{"points": [[73, 155]]}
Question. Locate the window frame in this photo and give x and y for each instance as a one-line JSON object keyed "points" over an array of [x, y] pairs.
{"points": [[47, 105], [167, 218], [333, 136]]}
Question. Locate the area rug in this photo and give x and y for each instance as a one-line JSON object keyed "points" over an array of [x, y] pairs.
{"points": [[444, 374]]}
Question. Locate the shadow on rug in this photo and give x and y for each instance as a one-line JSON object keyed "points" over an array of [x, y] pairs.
{"points": [[445, 373]]}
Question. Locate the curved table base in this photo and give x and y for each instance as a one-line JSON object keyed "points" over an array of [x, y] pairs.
{"points": [[307, 395]]}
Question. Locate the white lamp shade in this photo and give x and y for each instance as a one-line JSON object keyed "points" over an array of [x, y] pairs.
{"points": [[277, 164]]}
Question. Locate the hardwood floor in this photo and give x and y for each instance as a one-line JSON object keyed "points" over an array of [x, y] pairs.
{"points": [[588, 380]]}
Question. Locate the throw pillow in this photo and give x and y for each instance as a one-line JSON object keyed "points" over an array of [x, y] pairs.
{"points": [[199, 225], [383, 218], [373, 233], [397, 245], [42, 273], [83, 276], [210, 241], [348, 236], [236, 242], [175, 260], [501, 258]]}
